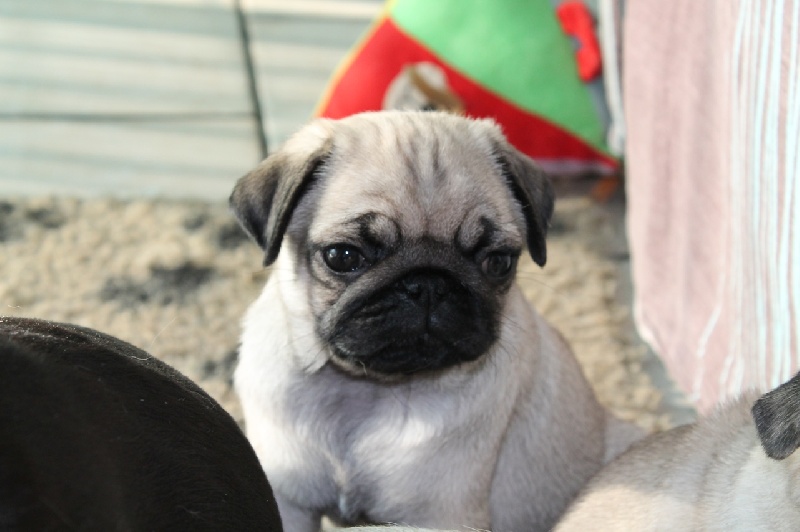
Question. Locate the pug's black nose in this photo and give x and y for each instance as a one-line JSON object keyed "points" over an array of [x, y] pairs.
{"points": [[426, 287]]}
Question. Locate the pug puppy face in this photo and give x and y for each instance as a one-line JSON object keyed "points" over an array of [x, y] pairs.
{"points": [[405, 229]]}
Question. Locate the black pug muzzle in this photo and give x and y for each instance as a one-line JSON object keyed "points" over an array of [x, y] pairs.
{"points": [[426, 320]]}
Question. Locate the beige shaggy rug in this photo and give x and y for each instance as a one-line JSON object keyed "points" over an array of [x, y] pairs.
{"points": [[174, 278]]}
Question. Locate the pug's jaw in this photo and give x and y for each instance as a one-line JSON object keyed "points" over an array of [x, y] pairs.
{"points": [[422, 354]]}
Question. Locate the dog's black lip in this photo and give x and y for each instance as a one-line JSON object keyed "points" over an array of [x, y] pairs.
{"points": [[347, 367], [361, 363]]}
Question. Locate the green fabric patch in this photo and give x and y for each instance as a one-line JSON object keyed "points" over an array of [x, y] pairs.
{"points": [[483, 38]]}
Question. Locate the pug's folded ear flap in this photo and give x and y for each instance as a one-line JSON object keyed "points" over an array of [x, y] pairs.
{"points": [[264, 199], [777, 418], [534, 192]]}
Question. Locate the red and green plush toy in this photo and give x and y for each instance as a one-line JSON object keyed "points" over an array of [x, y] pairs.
{"points": [[531, 65]]}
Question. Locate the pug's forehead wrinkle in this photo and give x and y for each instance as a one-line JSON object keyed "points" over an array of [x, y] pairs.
{"points": [[378, 230], [436, 164], [483, 228], [371, 227], [476, 235]]}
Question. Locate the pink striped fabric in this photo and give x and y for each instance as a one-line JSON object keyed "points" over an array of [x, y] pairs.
{"points": [[712, 102]]}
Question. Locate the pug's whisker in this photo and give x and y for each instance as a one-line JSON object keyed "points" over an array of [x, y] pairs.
{"points": [[506, 350], [309, 367], [541, 283], [511, 321]]}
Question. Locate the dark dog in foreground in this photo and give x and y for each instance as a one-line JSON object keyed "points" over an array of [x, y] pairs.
{"points": [[96, 434]]}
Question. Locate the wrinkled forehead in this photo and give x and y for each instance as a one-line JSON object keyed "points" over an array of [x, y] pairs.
{"points": [[432, 178]]}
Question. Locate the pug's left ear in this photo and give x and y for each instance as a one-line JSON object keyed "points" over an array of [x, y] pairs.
{"points": [[264, 199], [777, 418], [534, 192]]}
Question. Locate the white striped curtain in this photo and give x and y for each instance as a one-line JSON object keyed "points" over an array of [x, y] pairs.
{"points": [[712, 104]]}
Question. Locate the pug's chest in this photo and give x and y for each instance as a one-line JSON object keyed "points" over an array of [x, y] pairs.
{"points": [[363, 452], [412, 470], [379, 481]]}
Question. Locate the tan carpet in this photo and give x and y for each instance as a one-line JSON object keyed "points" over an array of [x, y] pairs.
{"points": [[174, 278]]}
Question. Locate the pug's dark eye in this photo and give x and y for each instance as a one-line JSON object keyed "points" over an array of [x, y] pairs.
{"points": [[497, 265], [343, 258]]}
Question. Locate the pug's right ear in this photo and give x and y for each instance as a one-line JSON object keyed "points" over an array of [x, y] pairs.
{"points": [[264, 199], [532, 189]]}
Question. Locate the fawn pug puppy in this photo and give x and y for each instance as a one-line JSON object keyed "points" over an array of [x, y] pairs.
{"points": [[734, 470], [391, 370]]}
